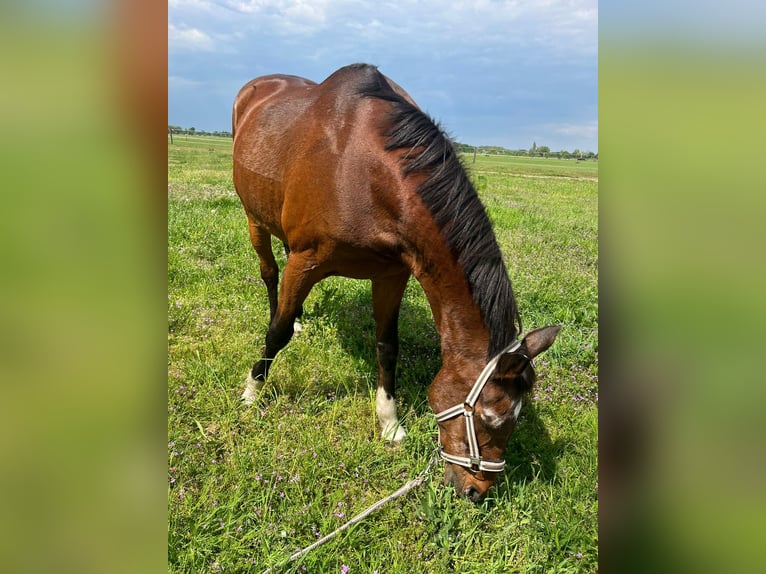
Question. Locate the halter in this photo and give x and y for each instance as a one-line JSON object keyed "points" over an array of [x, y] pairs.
{"points": [[474, 461]]}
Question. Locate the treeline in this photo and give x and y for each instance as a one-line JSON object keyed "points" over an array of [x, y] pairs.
{"points": [[195, 132], [534, 151]]}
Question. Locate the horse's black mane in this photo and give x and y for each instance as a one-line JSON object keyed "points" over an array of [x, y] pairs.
{"points": [[455, 206]]}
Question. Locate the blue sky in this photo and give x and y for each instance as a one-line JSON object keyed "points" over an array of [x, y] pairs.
{"points": [[492, 72]]}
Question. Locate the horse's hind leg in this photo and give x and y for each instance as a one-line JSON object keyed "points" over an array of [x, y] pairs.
{"points": [[300, 275], [261, 240], [386, 300]]}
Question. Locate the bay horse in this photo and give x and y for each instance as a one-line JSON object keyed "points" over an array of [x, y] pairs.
{"points": [[357, 181]]}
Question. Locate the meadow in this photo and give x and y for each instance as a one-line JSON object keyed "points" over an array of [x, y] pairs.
{"points": [[248, 486]]}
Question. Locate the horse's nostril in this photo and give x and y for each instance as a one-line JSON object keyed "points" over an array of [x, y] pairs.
{"points": [[473, 494]]}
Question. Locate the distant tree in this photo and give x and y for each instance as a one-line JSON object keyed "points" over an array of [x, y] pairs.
{"points": [[534, 151], [192, 131]]}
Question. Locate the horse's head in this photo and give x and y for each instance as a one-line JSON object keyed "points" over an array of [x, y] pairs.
{"points": [[476, 424]]}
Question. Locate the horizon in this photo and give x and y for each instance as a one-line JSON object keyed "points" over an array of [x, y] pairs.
{"points": [[228, 134]]}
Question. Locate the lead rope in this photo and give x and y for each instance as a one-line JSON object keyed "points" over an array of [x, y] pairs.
{"points": [[417, 481]]}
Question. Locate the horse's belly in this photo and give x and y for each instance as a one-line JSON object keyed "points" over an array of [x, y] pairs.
{"points": [[371, 260]]}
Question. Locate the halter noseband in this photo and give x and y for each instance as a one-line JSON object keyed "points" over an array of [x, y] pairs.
{"points": [[474, 461]]}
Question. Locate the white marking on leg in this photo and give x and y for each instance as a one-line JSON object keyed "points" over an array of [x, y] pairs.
{"points": [[251, 389], [297, 327], [517, 409], [385, 407]]}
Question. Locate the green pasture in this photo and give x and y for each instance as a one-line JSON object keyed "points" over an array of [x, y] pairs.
{"points": [[248, 486], [532, 166]]}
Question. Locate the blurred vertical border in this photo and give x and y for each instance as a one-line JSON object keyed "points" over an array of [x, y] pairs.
{"points": [[82, 311], [682, 88], [82, 294]]}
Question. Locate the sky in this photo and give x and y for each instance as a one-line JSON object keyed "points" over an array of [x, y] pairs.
{"points": [[491, 72]]}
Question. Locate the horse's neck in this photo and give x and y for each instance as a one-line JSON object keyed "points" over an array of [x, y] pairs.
{"points": [[464, 336]]}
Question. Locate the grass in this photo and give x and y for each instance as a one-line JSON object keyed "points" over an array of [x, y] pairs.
{"points": [[247, 487], [533, 166]]}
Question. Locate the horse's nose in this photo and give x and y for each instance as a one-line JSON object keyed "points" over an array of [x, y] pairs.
{"points": [[473, 494]]}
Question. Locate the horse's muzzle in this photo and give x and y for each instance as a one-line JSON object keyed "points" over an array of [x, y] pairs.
{"points": [[465, 483]]}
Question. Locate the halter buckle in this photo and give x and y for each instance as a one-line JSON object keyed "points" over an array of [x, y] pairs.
{"points": [[475, 463]]}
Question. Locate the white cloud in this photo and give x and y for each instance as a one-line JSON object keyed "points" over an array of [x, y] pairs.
{"points": [[192, 3], [285, 17], [188, 39], [549, 24], [586, 130], [193, 39], [181, 82]]}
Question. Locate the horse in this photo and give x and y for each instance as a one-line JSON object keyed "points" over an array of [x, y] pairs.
{"points": [[357, 181]]}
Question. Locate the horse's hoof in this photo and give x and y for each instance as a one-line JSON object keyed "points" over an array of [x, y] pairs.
{"points": [[251, 390], [394, 434], [248, 397]]}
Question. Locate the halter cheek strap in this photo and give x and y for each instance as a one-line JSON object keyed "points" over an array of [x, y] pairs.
{"points": [[474, 461]]}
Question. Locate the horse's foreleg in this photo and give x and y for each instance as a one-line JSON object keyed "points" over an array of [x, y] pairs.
{"points": [[298, 278], [297, 327], [386, 300]]}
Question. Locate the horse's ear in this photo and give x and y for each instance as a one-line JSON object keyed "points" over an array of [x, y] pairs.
{"points": [[512, 364], [534, 343], [540, 339]]}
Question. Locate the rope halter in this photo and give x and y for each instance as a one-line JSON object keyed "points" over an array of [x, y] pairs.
{"points": [[474, 461]]}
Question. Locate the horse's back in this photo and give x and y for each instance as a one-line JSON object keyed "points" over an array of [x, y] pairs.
{"points": [[254, 93], [273, 116]]}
